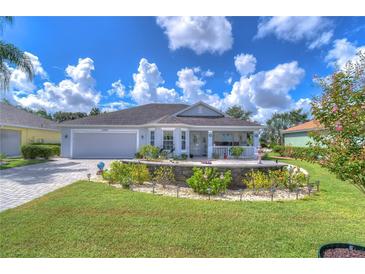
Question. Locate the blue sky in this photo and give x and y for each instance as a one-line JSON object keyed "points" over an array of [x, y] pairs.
{"points": [[263, 64]]}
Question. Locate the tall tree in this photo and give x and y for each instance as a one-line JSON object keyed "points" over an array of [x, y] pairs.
{"points": [[238, 112], [94, 111], [282, 121], [61, 116], [9, 54], [43, 113], [340, 109]]}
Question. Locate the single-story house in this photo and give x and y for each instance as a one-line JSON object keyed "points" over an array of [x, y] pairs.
{"points": [[298, 136], [19, 127], [198, 130]]}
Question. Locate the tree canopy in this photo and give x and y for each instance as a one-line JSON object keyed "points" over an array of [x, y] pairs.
{"points": [[94, 111], [281, 121], [11, 55], [238, 112], [340, 109]]}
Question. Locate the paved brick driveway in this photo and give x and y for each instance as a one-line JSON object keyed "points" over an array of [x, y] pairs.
{"points": [[23, 184]]}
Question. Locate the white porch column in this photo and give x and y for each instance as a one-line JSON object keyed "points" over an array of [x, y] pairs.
{"points": [[210, 144], [256, 141], [188, 143], [177, 141]]}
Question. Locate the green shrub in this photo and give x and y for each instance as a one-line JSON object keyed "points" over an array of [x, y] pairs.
{"points": [[288, 178], [2, 156], [277, 148], [164, 175], [236, 151], [139, 173], [106, 175], [120, 173], [298, 178], [149, 152], [55, 147], [205, 179], [279, 178], [49, 144], [304, 153], [182, 157], [37, 151], [126, 173], [257, 179]]}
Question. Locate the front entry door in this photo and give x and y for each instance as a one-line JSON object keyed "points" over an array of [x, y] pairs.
{"points": [[198, 143]]}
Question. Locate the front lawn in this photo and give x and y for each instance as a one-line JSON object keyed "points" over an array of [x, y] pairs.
{"points": [[94, 220], [16, 162]]}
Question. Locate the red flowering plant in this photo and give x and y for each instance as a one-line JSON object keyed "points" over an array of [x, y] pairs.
{"points": [[340, 110]]}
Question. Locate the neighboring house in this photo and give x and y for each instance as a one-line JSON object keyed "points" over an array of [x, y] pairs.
{"points": [[197, 131], [298, 136], [19, 127]]}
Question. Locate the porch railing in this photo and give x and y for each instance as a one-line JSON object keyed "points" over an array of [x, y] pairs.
{"points": [[220, 151]]}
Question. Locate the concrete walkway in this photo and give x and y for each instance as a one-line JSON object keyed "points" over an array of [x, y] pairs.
{"points": [[23, 184]]}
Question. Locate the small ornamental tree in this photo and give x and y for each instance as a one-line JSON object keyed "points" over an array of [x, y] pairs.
{"points": [[236, 151], [209, 181], [340, 109], [164, 175]]}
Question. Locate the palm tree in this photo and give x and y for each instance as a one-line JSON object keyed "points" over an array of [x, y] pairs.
{"points": [[9, 54]]}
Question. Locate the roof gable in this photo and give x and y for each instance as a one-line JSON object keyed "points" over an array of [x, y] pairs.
{"points": [[12, 116], [200, 109]]}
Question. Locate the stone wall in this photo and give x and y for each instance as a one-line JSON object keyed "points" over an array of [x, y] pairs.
{"points": [[183, 172]]}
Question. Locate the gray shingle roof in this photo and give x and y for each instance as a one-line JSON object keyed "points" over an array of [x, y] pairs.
{"points": [[10, 115], [131, 116], [206, 121], [154, 113]]}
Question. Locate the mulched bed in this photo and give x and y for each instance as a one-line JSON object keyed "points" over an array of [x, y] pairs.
{"points": [[343, 253]]}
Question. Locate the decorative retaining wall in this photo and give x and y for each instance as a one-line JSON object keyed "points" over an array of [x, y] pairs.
{"points": [[184, 171]]}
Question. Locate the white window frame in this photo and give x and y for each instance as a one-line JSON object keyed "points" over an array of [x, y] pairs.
{"points": [[154, 136], [185, 141], [163, 137]]}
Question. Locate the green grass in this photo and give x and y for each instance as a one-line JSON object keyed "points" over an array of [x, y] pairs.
{"points": [[88, 219], [16, 162]]}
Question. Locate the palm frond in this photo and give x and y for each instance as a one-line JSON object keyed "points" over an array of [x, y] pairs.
{"points": [[9, 53], [13, 55], [4, 77], [5, 20]]}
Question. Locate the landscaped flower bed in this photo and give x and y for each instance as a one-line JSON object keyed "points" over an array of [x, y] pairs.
{"points": [[229, 195], [209, 183]]}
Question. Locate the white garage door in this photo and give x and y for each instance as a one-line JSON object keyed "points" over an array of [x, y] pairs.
{"points": [[104, 144], [10, 142]]}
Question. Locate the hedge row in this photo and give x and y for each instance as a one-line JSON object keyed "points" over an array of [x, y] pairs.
{"points": [[34, 151], [303, 153]]}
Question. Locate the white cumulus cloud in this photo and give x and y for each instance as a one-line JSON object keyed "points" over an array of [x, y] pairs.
{"points": [[117, 89], [245, 63], [19, 82], [208, 73], [266, 92], [314, 30], [147, 85], [342, 52], [76, 93], [262, 93], [201, 33], [37, 66], [114, 106], [192, 88]]}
